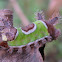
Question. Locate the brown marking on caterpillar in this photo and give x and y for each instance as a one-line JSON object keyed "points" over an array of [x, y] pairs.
{"points": [[4, 44], [7, 31], [53, 31], [27, 28], [11, 35]]}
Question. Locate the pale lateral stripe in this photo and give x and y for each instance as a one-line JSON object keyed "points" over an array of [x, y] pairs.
{"points": [[44, 24], [16, 34]]}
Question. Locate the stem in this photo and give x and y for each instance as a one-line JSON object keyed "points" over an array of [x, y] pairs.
{"points": [[53, 10], [19, 12]]}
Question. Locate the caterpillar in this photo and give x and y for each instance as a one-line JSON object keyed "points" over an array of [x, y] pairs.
{"points": [[23, 35], [10, 36]]}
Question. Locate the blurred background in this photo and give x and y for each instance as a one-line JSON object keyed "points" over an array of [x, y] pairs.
{"points": [[53, 50]]}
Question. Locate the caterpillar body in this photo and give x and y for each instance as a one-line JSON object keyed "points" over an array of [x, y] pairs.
{"points": [[25, 35]]}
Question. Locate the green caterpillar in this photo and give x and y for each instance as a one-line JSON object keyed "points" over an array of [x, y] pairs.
{"points": [[30, 33], [39, 30]]}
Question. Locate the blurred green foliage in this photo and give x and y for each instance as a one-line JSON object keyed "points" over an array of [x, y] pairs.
{"points": [[30, 7]]}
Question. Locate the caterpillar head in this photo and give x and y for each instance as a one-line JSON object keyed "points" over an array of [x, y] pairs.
{"points": [[7, 31]]}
